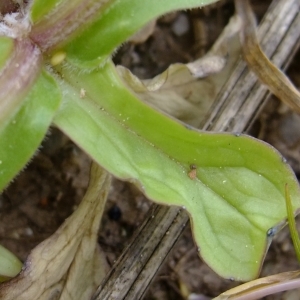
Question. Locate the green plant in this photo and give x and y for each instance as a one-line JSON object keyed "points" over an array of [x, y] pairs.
{"points": [[259, 288], [10, 265], [56, 69]]}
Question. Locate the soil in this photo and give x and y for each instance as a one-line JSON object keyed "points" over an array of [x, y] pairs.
{"points": [[53, 183]]}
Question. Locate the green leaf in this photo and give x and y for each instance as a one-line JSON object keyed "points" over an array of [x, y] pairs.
{"points": [[292, 222], [10, 265], [231, 185], [23, 133], [115, 23]]}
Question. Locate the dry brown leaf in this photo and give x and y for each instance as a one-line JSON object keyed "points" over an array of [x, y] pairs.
{"points": [[69, 264], [257, 61], [143, 34], [182, 91], [262, 287]]}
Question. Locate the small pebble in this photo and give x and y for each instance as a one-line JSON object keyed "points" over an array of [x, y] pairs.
{"points": [[28, 231], [181, 25]]}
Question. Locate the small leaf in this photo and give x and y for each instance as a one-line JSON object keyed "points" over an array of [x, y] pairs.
{"points": [[10, 265], [237, 196], [25, 130], [69, 264]]}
